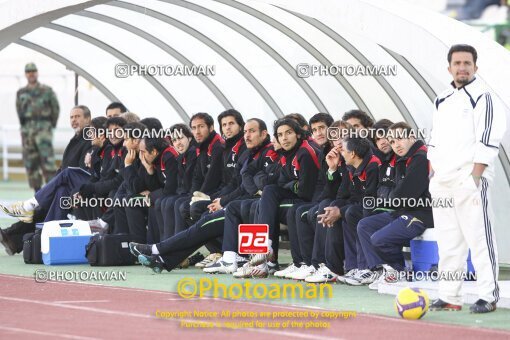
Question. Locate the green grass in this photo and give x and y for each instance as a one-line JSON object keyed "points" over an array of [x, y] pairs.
{"points": [[344, 298]]}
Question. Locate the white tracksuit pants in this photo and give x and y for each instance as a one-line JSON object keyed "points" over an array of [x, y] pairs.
{"points": [[466, 226]]}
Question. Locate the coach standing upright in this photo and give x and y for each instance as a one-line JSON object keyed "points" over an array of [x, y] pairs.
{"points": [[38, 110], [467, 126]]}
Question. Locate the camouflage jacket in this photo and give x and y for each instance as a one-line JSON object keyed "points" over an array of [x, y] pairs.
{"points": [[37, 104]]}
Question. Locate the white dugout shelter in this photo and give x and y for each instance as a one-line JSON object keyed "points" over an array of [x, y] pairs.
{"points": [[261, 52]]}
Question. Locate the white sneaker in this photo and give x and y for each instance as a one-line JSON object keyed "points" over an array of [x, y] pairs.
{"points": [[390, 274], [18, 210], [282, 273], [302, 273], [249, 271], [209, 260], [322, 275], [221, 267], [262, 258], [350, 273], [387, 275], [363, 277], [375, 285]]}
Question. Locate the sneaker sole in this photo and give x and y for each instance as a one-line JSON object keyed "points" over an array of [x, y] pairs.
{"points": [[144, 262], [353, 283], [323, 281], [220, 272], [252, 276], [484, 312]]}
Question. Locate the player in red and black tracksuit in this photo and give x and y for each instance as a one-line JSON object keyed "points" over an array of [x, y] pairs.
{"points": [[296, 183], [232, 124], [183, 141], [174, 250], [110, 177], [363, 167], [382, 236], [132, 185], [160, 163], [207, 175], [260, 171], [388, 159], [300, 235]]}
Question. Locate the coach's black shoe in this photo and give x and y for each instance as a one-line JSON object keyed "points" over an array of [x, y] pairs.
{"points": [[482, 306], [140, 249], [9, 246], [440, 305], [152, 261]]}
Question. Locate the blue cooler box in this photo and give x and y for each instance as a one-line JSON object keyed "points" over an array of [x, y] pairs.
{"points": [[63, 242], [425, 255]]}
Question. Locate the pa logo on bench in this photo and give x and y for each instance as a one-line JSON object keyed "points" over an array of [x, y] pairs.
{"points": [[253, 239]]}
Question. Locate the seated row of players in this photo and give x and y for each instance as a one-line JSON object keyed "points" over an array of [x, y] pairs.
{"points": [[201, 187], [317, 188]]}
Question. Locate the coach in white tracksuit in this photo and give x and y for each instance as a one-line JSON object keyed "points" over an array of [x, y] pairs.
{"points": [[467, 126]]}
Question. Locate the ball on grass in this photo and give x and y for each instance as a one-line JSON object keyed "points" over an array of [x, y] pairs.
{"points": [[412, 303]]}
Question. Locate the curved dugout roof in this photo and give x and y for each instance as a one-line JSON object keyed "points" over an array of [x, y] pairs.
{"points": [[256, 46]]}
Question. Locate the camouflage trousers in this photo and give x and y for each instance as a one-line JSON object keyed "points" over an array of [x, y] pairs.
{"points": [[38, 154]]}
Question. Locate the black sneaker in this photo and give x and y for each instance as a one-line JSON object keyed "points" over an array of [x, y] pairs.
{"points": [[152, 261], [440, 305], [195, 258], [482, 306], [140, 249]]}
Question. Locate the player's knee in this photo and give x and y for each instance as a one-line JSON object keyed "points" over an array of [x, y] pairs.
{"points": [[378, 240]]}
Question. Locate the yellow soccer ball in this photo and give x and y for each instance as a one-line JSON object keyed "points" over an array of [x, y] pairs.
{"points": [[412, 303]]}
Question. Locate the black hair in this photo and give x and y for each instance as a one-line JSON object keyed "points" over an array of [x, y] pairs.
{"points": [[325, 118], [290, 123], [365, 119], [119, 121], [462, 48], [408, 130], [298, 117], [152, 123], [84, 109], [262, 124], [129, 129], [159, 144], [209, 121], [98, 123], [183, 130], [116, 105], [380, 129], [360, 146], [232, 113]]}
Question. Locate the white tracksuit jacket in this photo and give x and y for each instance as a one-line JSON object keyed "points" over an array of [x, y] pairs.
{"points": [[468, 124]]}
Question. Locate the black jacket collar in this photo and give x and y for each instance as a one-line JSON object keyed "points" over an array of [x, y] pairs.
{"points": [[207, 141], [418, 144], [364, 163], [230, 142], [463, 86]]}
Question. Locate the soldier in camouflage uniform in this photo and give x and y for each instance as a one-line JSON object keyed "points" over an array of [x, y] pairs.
{"points": [[38, 111]]}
